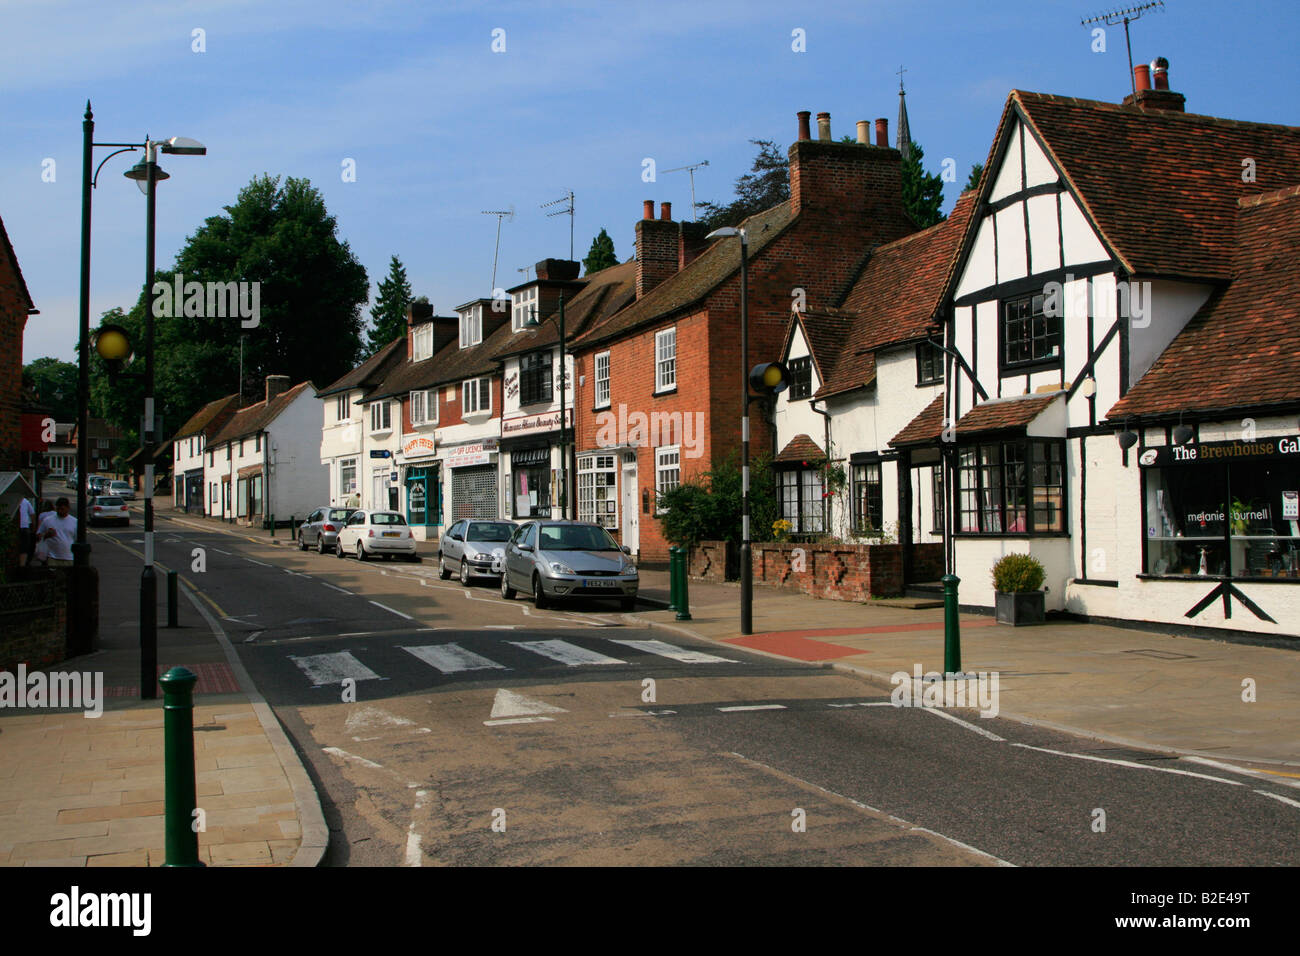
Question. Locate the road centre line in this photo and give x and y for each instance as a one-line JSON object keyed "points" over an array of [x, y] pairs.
{"points": [[1276, 796], [392, 611], [728, 710], [1129, 763], [965, 723]]}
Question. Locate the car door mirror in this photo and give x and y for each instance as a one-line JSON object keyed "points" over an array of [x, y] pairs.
{"points": [[626, 549], [525, 547]]}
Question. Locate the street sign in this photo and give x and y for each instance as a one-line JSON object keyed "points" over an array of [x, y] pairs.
{"points": [[380, 453]]}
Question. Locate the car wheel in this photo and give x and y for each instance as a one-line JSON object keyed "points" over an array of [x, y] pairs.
{"points": [[443, 573], [539, 593], [464, 573], [338, 549], [627, 604], [507, 592], [361, 551], [302, 542], [320, 544]]}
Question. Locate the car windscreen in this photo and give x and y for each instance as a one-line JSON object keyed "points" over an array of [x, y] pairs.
{"points": [[489, 531], [576, 537], [340, 514], [106, 500], [384, 517]]}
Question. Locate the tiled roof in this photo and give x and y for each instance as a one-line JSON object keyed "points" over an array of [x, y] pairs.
{"points": [[1162, 186], [8, 250], [370, 372], [801, 448], [603, 295], [211, 414], [924, 428], [254, 418], [897, 297], [1000, 413], [825, 331], [451, 363], [1243, 347], [700, 277]]}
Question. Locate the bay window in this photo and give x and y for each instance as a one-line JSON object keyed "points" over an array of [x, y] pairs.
{"points": [[1013, 486]]}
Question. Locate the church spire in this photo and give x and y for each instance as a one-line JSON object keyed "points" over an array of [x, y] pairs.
{"points": [[904, 141]]}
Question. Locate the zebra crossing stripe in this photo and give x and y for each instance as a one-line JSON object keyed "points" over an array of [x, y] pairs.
{"points": [[673, 652], [324, 669], [452, 658], [571, 655]]}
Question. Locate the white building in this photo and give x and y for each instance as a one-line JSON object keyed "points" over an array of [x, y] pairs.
{"points": [[189, 445], [345, 424]]}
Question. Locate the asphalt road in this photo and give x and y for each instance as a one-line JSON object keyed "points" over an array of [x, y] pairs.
{"points": [[444, 725]]}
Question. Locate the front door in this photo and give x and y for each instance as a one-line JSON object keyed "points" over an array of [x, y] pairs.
{"points": [[631, 514]]}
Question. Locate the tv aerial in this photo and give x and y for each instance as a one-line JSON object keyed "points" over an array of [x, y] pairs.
{"points": [[691, 170], [566, 211], [1125, 16], [509, 216]]}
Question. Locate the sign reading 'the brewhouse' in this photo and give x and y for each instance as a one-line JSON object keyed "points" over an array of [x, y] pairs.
{"points": [[1204, 452]]}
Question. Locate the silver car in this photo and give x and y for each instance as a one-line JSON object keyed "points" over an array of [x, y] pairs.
{"points": [[321, 529], [474, 549], [563, 559]]}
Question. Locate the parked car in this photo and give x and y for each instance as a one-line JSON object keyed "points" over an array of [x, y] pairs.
{"points": [[368, 533], [321, 529], [106, 509], [97, 485], [563, 559], [71, 481], [474, 549], [122, 489]]}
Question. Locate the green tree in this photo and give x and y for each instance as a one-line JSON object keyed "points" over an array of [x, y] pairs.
{"points": [[55, 383], [601, 254], [976, 174], [922, 191], [389, 311], [708, 508], [764, 186]]}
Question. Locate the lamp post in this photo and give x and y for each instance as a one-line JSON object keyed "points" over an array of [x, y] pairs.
{"points": [[565, 507]]}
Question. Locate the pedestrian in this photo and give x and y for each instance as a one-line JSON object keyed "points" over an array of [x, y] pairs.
{"points": [[26, 531], [58, 529]]}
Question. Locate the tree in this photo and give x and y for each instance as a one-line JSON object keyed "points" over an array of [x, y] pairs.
{"points": [[389, 312], [922, 191], [55, 383], [708, 508], [976, 174], [601, 254], [764, 186]]}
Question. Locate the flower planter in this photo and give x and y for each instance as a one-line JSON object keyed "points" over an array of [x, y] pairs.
{"points": [[1025, 607]]}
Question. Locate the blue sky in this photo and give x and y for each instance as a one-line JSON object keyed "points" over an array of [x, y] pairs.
{"points": [[441, 127]]}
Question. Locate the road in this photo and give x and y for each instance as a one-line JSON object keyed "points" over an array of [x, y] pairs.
{"points": [[443, 725]]}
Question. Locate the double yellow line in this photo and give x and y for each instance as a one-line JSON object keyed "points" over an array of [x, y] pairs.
{"points": [[158, 564]]}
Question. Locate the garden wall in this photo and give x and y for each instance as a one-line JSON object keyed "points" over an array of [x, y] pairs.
{"points": [[33, 621]]}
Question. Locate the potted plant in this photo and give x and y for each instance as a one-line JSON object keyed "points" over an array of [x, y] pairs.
{"points": [[1018, 581]]}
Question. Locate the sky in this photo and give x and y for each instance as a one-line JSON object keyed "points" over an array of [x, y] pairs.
{"points": [[447, 108]]}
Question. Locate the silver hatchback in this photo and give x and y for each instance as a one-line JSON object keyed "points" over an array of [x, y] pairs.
{"points": [[473, 549], [564, 559]]}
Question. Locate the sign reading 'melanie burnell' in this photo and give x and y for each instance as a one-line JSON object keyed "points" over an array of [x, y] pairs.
{"points": [[1204, 452]]}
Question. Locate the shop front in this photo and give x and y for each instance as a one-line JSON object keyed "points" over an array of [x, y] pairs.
{"points": [[421, 478], [531, 482], [474, 483]]}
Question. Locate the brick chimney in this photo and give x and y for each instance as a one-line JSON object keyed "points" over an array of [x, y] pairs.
{"points": [[1155, 74], [446, 328], [657, 253], [276, 385], [690, 243], [557, 269], [846, 179]]}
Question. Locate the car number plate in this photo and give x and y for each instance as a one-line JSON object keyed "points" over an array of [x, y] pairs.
{"points": [[599, 583], [392, 534]]}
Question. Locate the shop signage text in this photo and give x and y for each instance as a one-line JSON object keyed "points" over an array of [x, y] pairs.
{"points": [[1215, 451], [531, 424], [418, 448], [475, 453]]}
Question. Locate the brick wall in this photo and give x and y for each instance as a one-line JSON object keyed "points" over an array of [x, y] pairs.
{"points": [[927, 562], [836, 572], [33, 622], [13, 318]]}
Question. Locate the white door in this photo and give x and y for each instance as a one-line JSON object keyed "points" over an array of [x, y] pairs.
{"points": [[378, 496], [631, 512]]}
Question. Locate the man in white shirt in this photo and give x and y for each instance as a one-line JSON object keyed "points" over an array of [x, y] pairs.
{"points": [[26, 531], [58, 530]]}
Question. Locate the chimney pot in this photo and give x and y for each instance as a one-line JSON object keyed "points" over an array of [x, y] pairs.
{"points": [[804, 134], [864, 132], [1142, 77], [666, 211], [1160, 72], [882, 132], [824, 127], [648, 209], [276, 385]]}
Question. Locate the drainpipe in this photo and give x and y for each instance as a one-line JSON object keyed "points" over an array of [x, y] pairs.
{"points": [[827, 437], [267, 510]]}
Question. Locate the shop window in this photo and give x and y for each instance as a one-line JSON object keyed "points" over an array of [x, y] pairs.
{"points": [[1011, 487], [597, 501]]}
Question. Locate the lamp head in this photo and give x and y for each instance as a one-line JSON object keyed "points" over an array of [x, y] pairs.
{"points": [[112, 343], [183, 146], [140, 173]]}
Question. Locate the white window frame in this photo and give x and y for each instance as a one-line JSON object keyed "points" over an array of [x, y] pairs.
{"points": [[666, 360], [668, 459], [422, 342], [377, 423], [471, 326], [343, 408], [344, 487], [424, 407], [473, 388], [589, 466], [524, 302], [602, 382]]}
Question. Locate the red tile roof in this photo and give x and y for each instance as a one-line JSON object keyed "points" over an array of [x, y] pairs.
{"points": [[924, 428], [1001, 413], [210, 417], [256, 417], [1242, 349], [801, 448]]}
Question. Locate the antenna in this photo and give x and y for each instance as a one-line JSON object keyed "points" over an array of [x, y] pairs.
{"points": [[567, 211], [1114, 17], [691, 170], [525, 270], [507, 214]]}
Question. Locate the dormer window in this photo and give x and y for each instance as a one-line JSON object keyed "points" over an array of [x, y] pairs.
{"points": [[422, 342], [471, 326], [525, 306]]}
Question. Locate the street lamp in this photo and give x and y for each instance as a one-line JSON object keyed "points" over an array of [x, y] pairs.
{"points": [[533, 322], [147, 174]]}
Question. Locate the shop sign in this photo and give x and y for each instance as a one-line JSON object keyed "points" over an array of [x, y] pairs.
{"points": [[532, 424], [475, 453], [421, 447], [1213, 452], [530, 456]]}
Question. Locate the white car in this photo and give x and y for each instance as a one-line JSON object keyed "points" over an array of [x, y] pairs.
{"points": [[370, 533]]}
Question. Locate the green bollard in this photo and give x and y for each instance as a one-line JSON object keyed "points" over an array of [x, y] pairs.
{"points": [[683, 595], [672, 578], [293, 528], [951, 628], [171, 598], [272, 517], [178, 763]]}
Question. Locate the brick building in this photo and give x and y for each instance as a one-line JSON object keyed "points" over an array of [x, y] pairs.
{"points": [[15, 305]]}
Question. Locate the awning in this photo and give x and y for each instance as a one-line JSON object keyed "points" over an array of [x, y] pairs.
{"points": [[925, 428], [250, 470], [801, 448], [1002, 414], [13, 486]]}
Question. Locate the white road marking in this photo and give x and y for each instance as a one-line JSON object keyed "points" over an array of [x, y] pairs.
{"points": [[1130, 763], [219, 551], [675, 653], [507, 703], [730, 710], [252, 637], [452, 658], [322, 669], [571, 655], [1271, 778], [391, 611], [517, 720], [333, 588], [965, 723], [500, 627], [412, 838], [335, 751], [1277, 796], [259, 563]]}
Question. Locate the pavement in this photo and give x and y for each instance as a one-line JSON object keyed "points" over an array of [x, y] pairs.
{"points": [[81, 791]]}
